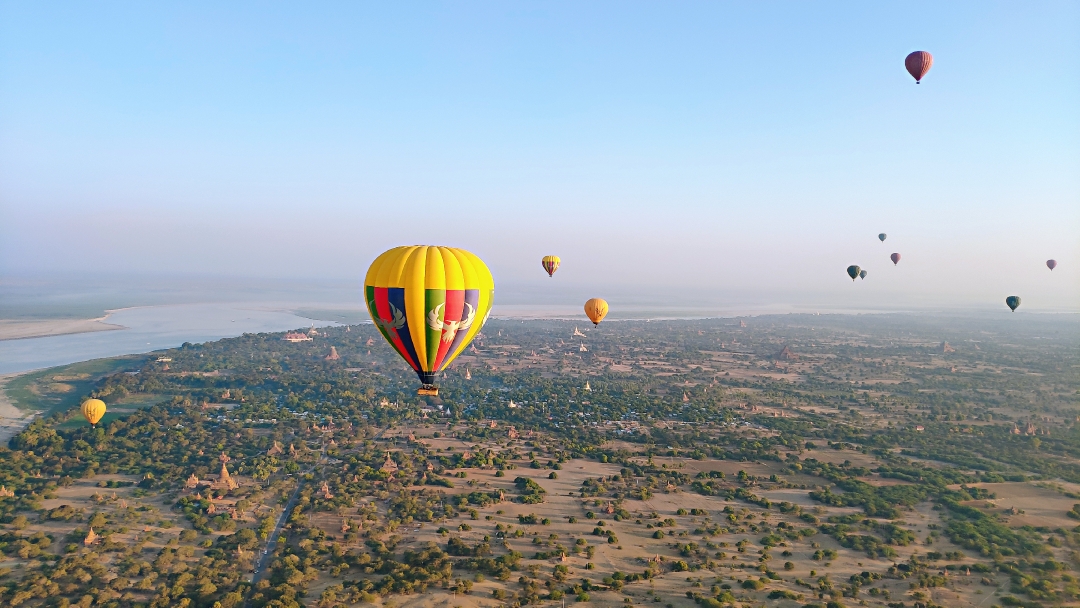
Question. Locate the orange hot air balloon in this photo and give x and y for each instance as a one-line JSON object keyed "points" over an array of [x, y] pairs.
{"points": [[93, 410], [918, 64], [550, 264], [596, 309]]}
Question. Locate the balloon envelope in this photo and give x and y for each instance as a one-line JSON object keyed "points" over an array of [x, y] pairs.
{"points": [[596, 309], [853, 272], [1051, 264], [1013, 302], [93, 410], [550, 263], [428, 303], [895, 258], [918, 64], [881, 237], [862, 274]]}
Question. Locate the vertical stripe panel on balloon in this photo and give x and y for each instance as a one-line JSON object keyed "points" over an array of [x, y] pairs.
{"points": [[395, 298], [469, 316], [415, 303], [455, 302], [435, 304], [386, 313]]}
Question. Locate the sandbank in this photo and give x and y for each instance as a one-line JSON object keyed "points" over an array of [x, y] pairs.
{"points": [[19, 329], [12, 419]]}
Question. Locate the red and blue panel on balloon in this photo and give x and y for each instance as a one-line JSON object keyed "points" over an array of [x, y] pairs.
{"points": [[449, 313]]}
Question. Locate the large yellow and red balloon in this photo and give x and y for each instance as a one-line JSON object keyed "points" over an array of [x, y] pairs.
{"points": [[429, 303], [93, 410]]}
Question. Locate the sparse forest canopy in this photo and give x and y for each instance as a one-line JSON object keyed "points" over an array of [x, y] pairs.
{"points": [[746, 454]]}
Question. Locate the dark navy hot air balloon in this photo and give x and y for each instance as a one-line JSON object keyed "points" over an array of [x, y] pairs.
{"points": [[881, 237], [853, 272], [862, 274], [1013, 302]]}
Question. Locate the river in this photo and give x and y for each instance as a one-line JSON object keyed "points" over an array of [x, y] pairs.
{"points": [[147, 329]]}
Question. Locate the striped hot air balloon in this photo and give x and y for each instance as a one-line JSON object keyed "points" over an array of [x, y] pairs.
{"points": [[429, 303], [550, 264], [918, 64]]}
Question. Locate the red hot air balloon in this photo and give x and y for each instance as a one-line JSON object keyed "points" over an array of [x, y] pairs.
{"points": [[918, 64], [895, 258], [1051, 264]]}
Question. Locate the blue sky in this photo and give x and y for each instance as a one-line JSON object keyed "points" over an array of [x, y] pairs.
{"points": [[675, 148]]}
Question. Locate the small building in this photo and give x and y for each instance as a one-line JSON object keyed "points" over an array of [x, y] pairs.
{"points": [[333, 356], [91, 538], [6, 493], [295, 336]]}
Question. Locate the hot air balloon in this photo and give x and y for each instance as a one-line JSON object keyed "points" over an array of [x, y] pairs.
{"points": [[93, 410], [429, 303], [918, 64], [596, 309], [1013, 302], [881, 237], [862, 274], [895, 258], [550, 264], [853, 272], [1051, 264]]}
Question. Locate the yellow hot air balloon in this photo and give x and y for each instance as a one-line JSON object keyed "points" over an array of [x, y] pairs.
{"points": [[550, 264], [429, 303], [93, 410], [596, 309]]}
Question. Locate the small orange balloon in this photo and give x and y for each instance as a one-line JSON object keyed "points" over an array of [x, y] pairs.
{"points": [[596, 309], [93, 410]]}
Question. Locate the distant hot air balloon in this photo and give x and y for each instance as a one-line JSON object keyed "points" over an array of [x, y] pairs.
{"points": [[93, 410], [853, 272], [1013, 302], [918, 64], [895, 258], [881, 237], [550, 264], [596, 309], [1051, 264], [862, 274], [429, 303]]}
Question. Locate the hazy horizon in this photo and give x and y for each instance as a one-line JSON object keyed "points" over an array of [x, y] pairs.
{"points": [[700, 154]]}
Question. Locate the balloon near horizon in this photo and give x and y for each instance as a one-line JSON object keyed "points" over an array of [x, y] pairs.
{"points": [[428, 302], [93, 410], [1013, 302], [596, 309]]}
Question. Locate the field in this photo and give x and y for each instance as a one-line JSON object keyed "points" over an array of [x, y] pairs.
{"points": [[797, 461]]}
